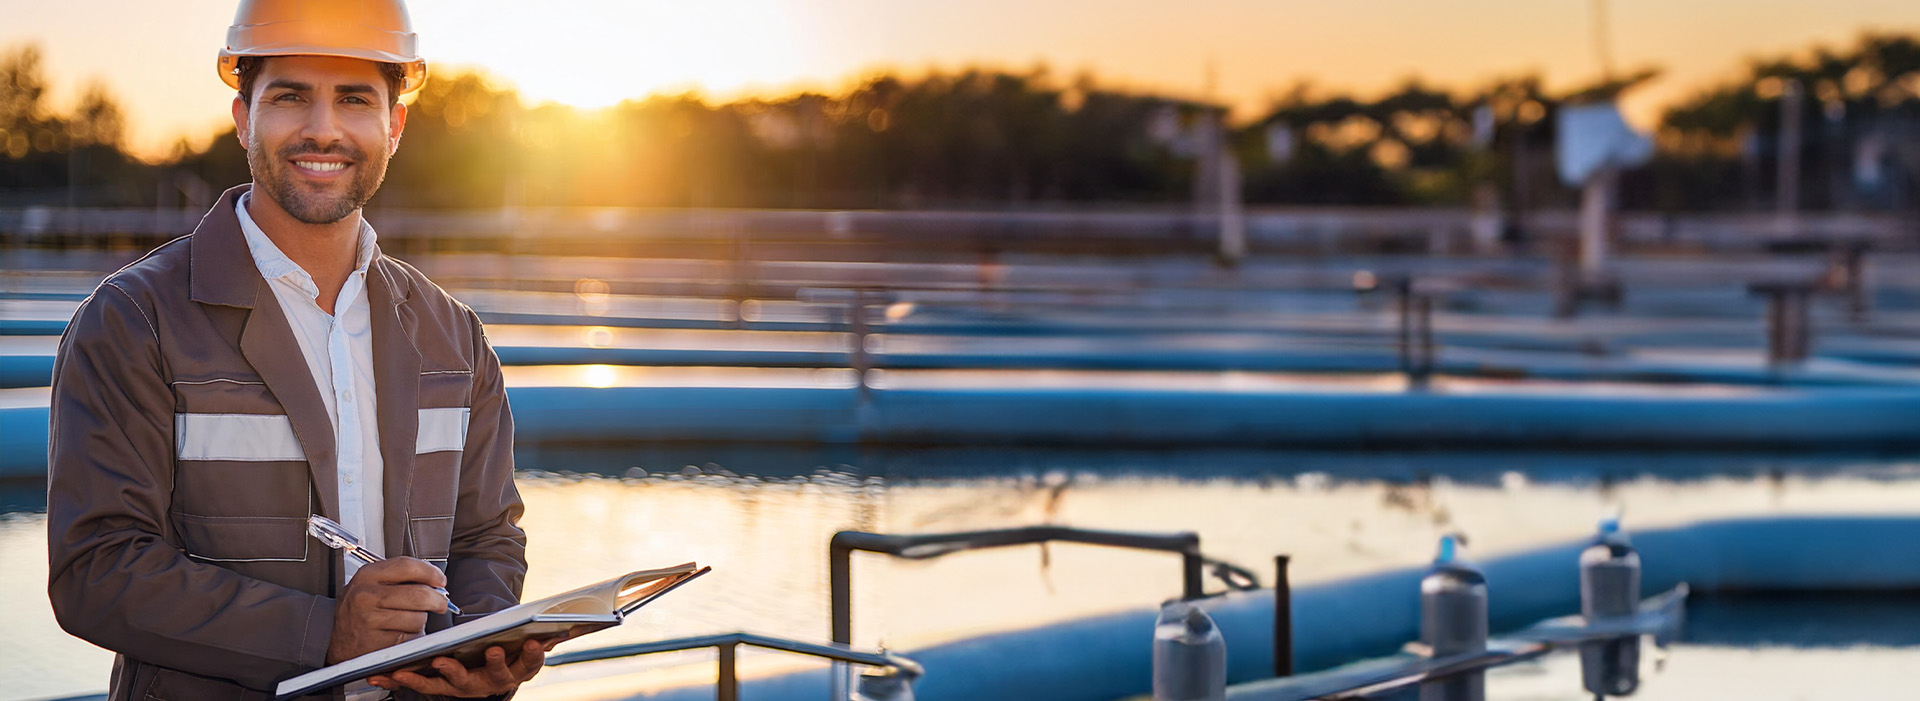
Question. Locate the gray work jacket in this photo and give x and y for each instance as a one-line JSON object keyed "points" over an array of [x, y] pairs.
{"points": [[188, 444]]}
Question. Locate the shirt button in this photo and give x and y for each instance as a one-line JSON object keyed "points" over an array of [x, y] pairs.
{"points": [[347, 478], [346, 395]]}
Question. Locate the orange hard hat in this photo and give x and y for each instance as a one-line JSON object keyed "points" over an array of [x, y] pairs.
{"points": [[374, 30]]}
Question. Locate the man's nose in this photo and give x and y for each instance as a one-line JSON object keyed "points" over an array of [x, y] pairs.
{"points": [[322, 125]]}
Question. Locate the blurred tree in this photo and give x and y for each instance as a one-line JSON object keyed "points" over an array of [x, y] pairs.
{"points": [[1861, 107], [1012, 138], [97, 121]]}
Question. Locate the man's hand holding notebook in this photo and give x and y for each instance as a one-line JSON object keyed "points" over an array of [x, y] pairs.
{"points": [[520, 633]]}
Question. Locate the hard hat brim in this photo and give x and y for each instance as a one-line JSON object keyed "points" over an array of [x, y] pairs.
{"points": [[414, 69]]}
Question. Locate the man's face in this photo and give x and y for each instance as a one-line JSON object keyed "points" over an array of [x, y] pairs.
{"points": [[318, 134]]}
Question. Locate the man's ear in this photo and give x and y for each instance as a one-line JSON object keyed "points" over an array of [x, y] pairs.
{"points": [[398, 124], [240, 119]]}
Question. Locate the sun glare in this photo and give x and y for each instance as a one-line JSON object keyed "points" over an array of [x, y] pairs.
{"points": [[594, 54]]}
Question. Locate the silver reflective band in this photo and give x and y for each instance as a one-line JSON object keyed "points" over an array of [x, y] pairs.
{"points": [[244, 437], [442, 429]]}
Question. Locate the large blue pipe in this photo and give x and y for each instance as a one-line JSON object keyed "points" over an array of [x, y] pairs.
{"points": [[1823, 418], [36, 370], [1109, 657]]}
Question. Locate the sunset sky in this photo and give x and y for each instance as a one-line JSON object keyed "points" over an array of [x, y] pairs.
{"points": [[157, 57]]}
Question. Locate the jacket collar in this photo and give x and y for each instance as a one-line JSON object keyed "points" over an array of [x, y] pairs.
{"points": [[221, 268]]}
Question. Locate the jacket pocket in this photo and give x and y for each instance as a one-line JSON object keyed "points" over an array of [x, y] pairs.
{"points": [[242, 538], [431, 536], [223, 394], [446, 387], [175, 685], [233, 488]]}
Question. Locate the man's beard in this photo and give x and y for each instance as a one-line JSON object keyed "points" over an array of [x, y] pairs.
{"points": [[275, 175]]}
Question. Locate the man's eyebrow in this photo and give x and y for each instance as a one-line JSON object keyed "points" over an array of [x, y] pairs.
{"points": [[353, 89], [290, 85]]}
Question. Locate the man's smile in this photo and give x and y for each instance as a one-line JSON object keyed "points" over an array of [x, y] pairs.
{"points": [[320, 168]]}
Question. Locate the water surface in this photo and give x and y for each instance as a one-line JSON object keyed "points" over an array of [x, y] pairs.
{"points": [[762, 517]]}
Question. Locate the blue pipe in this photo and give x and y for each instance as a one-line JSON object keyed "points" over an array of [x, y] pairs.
{"points": [[1109, 657], [1851, 418]]}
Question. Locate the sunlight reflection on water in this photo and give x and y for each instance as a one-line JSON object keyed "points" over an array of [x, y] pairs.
{"points": [[766, 539]]}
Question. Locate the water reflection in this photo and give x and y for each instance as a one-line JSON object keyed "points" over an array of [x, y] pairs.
{"points": [[560, 336], [1759, 647], [762, 518]]}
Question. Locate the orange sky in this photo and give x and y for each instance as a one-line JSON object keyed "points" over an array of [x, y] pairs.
{"points": [[157, 57]]}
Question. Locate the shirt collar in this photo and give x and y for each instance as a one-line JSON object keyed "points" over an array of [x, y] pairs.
{"points": [[274, 264]]}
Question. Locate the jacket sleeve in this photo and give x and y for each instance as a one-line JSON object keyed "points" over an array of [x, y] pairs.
{"points": [[487, 561], [114, 579]]}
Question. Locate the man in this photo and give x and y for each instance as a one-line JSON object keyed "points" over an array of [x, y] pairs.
{"points": [[271, 365]]}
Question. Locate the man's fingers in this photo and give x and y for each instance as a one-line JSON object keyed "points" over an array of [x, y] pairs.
{"points": [[497, 671], [533, 655], [389, 620], [410, 597], [452, 671], [403, 570], [435, 687]]}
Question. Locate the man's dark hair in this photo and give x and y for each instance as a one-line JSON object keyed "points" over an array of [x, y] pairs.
{"points": [[248, 68]]}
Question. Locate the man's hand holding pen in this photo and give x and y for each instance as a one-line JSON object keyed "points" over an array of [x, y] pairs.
{"points": [[386, 603]]}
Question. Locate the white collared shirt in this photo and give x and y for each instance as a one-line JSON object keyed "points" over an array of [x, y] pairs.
{"points": [[338, 348]]}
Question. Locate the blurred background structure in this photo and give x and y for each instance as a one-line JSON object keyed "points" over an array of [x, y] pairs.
{"points": [[1329, 282], [984, 138]]}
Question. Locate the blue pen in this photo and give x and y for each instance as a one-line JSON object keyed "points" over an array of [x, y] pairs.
{"points": [[338, 537]]}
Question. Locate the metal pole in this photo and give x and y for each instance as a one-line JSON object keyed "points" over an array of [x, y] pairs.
{"points": [[1192, 568], [1282, 619], [1403, 296], [857, 319], [1596, 204], [1423, 306], [1799, 335], [840, 583], [1854, 262], [728, 683], [1787, 194]]}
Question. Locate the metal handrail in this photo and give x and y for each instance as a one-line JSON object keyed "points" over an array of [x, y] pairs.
{"points": [[1660, 616], [727, 682], [926, 546], [931, 545]]}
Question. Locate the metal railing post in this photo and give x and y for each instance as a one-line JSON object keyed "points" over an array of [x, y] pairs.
{"points": [[1282, 618], [1853, 268], [857, 325], [1403, 296], [728, 684], [840, 584], [1193, 571], [1789, 329]]}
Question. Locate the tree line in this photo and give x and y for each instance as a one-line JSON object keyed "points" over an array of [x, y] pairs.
{"points": [[982, 138]]}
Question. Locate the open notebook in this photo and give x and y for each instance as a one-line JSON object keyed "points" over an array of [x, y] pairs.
{"points": [[575, 613]]}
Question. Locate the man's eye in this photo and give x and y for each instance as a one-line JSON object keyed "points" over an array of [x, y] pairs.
{"points": [[357, 100], [286, 97]]}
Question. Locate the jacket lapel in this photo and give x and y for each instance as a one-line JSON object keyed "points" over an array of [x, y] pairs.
{"points": [[396, 382], [269, 345], [221, 272]]}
